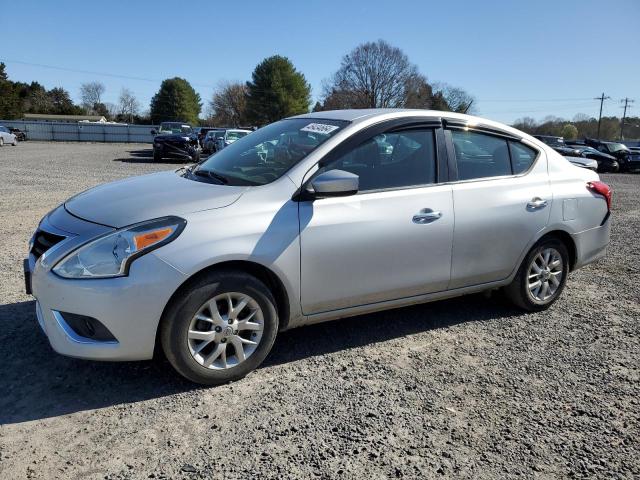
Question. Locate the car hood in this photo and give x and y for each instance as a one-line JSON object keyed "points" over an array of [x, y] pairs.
{"points": [[136, 199]]}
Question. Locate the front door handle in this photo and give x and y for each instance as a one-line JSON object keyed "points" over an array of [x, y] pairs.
{"points": [[536, 203], [426, 215]]}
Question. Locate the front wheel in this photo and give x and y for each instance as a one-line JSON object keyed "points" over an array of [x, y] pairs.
{"points": [[220, 329], [1, 142], [541, 276], [157, 156]]}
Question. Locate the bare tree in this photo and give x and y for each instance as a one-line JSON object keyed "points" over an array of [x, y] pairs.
{"points": [[128, 104], [373, 75], [229, 103], [526, 124], [456, 98], [91, 94]]}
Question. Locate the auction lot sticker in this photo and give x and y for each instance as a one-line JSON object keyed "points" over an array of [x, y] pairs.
{"points": [[319, 128]]}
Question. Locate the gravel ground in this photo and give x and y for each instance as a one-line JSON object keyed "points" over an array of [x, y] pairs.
{"points": [[462, 388]]}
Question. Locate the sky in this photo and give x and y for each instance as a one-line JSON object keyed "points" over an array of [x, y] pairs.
{"points": [[516, 58]]}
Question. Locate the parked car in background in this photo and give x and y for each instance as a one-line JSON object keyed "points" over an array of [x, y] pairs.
{"points": [[635, 157], [210, 262], [6, 137], [209, 142], [559, 145], [20, 135], [230, 136], [202, 133], [606, 162], [175, 140], [620, 151], [584, 163]]}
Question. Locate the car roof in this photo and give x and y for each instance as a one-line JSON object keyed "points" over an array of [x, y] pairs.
{"points": [[362, 115]]}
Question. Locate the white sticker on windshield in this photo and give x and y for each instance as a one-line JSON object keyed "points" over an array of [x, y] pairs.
{"points": [[319, 128]]}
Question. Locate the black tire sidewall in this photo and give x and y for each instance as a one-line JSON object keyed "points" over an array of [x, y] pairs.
{"points": [[176, 322]]}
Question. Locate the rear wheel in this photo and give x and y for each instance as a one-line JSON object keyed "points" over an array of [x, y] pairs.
{"points": [[541, 277], [221, 329]]}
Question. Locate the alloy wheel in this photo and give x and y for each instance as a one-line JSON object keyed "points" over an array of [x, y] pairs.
{"points": [[545, 275], [225, 331]]}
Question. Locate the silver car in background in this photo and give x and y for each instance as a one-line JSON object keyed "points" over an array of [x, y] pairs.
{"points": [[228, 137], [6, 137], [312, 218]]}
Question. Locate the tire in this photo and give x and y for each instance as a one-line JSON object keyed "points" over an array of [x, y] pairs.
{"points": [[157, 156], [519, 291], [15, 142], [215, 360], [1, 142]]}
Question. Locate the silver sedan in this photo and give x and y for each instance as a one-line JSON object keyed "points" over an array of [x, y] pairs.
{"points": [[312, 218], [7, 138]]}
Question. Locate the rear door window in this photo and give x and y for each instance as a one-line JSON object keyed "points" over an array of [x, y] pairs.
{"points": [[479, 155]]}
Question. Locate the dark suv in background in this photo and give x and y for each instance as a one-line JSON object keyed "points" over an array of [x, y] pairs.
{"points": [[621, 152], [175, 140]]}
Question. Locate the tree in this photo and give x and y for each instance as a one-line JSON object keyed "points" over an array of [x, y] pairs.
{"points": [[276, 90], [373, 75], [61, 103], [176, 101], [10, 103], [418, 93], [91, 94], [526, 124], [229, 104], [128, 105], [569, 132], [456, 98]]}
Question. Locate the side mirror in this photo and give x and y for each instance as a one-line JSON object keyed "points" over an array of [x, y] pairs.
{"points": [[153, 131], [334, 183]]}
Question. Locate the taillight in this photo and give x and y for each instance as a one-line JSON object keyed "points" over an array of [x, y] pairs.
{"points": [[603, 189]]}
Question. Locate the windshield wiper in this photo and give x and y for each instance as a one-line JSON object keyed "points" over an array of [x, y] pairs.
{"points": [[211, 174]]}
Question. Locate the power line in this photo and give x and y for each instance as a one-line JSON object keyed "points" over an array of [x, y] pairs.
{"points": [[90, 72]]}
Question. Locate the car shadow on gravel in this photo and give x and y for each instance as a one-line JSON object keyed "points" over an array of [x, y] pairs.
{"points": [[137, 156], [38, 383]]}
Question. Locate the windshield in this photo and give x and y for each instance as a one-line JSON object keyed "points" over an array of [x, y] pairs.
{"points": [[266, 154], [233, 136], [172, 127], [616, 147]]}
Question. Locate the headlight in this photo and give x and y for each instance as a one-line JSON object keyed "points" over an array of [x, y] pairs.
{"points": [[111, 254]]}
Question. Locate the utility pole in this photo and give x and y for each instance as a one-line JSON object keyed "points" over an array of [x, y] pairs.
{"points": [[602, 98], [626, 101]]}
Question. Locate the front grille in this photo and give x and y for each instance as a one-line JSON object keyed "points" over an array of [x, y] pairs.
{"points": [[43, 241]]}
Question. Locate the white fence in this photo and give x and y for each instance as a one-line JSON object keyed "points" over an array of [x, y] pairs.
{"points": [[82, 131]]}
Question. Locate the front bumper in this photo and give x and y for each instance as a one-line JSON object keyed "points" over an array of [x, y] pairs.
{"points": [[129, 307]]}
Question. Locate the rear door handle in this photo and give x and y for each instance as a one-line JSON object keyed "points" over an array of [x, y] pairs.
{"points": [[536, 202], [426, 215]]}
